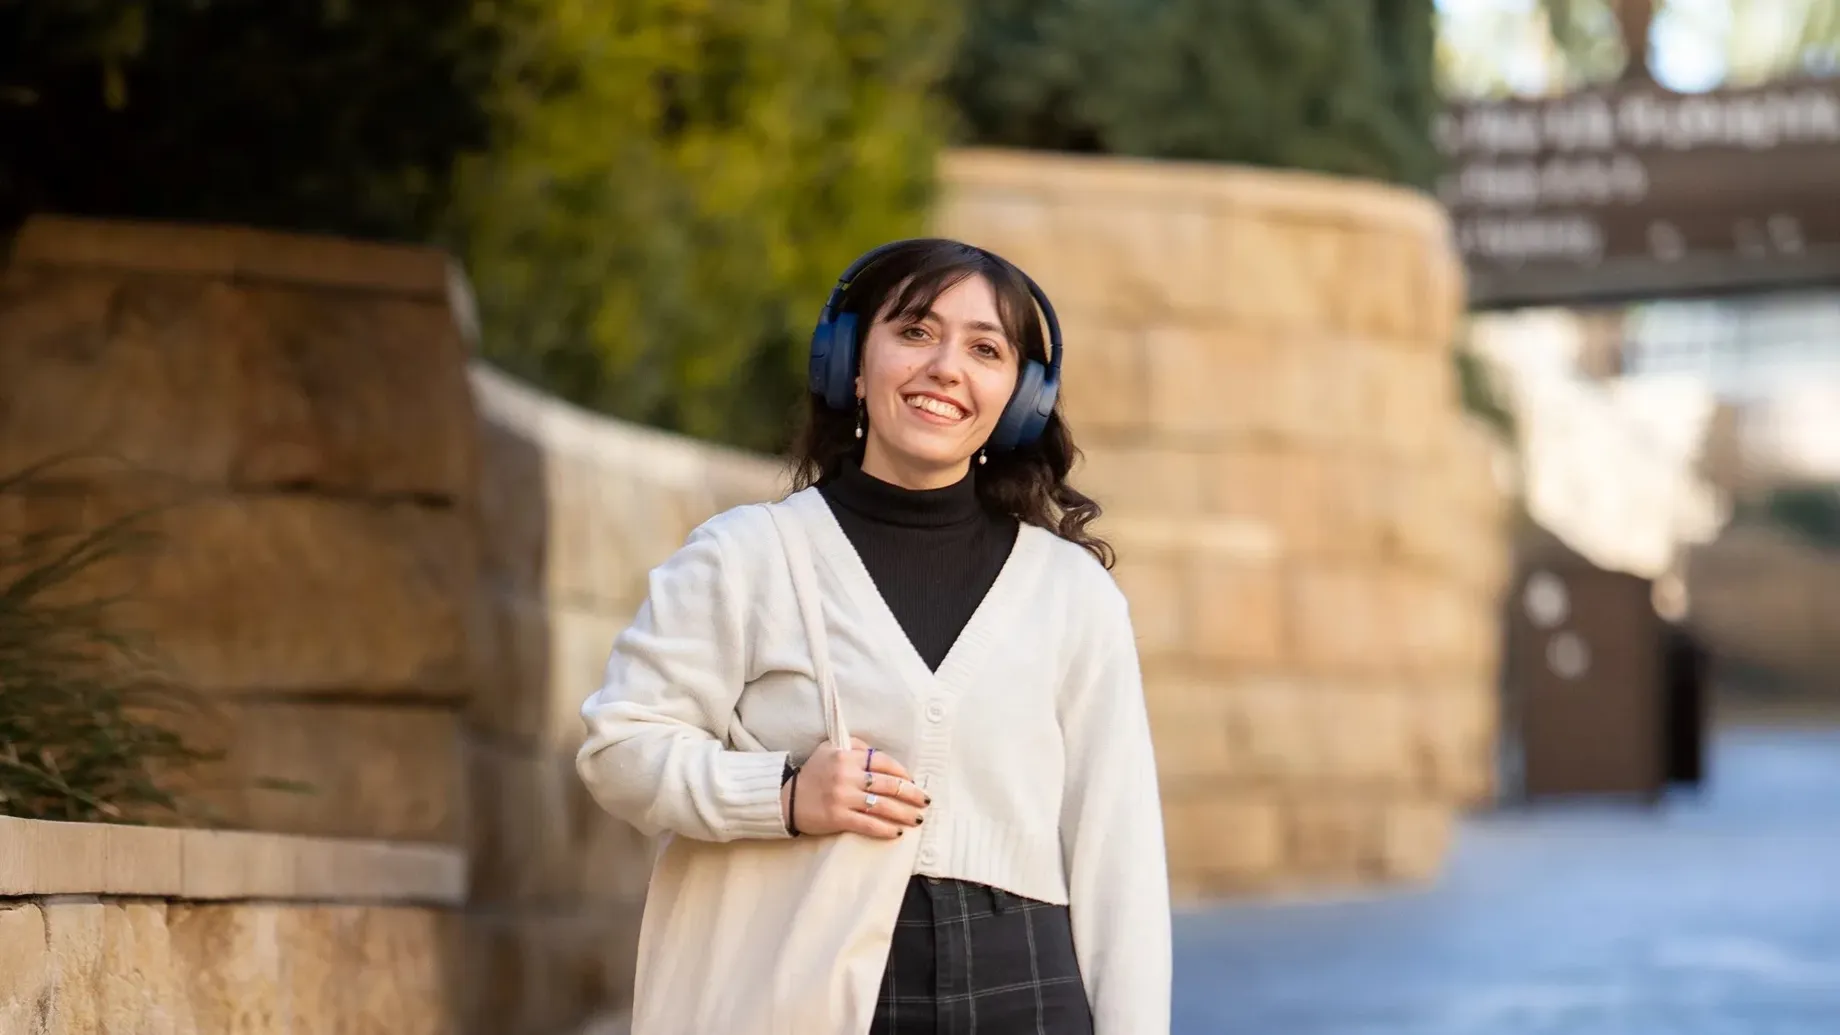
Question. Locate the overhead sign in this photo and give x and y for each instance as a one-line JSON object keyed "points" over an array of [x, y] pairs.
{"points": [[1634, 191]]}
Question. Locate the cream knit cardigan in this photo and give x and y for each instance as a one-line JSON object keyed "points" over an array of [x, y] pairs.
{"points": [[1031, 737]]}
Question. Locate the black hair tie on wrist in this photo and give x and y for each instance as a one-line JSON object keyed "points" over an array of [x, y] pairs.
{"points": [[792, 800]]}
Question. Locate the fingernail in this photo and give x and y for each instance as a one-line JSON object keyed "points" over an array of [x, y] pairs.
{"points": [[919, 820], [900, 833], [929, 799]]}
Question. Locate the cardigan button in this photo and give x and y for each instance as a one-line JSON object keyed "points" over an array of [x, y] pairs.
{"points": [[935, 712]]}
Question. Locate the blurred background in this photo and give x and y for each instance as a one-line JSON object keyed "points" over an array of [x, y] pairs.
{"points": [[1461, 380]]}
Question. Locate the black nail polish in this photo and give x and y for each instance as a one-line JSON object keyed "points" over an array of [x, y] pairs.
{"points": [[919, 820]]}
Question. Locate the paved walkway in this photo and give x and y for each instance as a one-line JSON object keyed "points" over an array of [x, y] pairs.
{"points": [[1717, 916]]}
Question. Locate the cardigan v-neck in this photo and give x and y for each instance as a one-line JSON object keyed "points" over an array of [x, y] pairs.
{"points": [[933, 554], [959, 667]]}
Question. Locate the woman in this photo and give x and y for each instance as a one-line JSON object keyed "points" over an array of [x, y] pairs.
{"points": [[983, 652]]}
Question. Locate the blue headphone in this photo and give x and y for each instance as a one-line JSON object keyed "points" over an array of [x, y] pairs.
{"points": [[835, 345]]}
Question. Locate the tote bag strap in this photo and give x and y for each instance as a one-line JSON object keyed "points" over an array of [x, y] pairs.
{"points": [[811, 610]]}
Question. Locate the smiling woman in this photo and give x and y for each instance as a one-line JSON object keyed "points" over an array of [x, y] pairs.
{"points": [[950, 328], [956, 610]]}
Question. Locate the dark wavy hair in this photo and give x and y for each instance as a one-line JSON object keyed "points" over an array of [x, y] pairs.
{"points": [[1029, 483]]}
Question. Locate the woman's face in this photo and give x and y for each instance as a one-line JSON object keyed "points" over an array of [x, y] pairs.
{"points": [[933, 386]]}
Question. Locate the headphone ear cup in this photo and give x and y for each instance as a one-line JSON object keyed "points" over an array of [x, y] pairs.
{"points": [[1026, 414], [831, 372]]}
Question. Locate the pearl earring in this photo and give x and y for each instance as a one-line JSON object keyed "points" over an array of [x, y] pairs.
{"points": [[859, 420], [981, 457]]}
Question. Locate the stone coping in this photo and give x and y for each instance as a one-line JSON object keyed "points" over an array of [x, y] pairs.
{"points": [[235, 253], [39, 857], [1077, 179]]}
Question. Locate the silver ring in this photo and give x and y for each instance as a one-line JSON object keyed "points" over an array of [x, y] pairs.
{"points": [[869, 801], [868, 781]]}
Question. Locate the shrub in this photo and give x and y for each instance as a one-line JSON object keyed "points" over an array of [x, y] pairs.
{"points": [[81, 736], [1338, 86], [672, 188]]}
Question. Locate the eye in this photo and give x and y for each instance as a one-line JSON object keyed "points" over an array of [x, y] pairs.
{"points": [[914, 332], [987, 350]]}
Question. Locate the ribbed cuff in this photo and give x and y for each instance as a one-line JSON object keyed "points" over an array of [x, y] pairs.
{"points": [[748, 785]]}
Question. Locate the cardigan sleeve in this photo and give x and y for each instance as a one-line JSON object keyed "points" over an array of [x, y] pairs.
{"points": [[655, 753], [1112, 833]]}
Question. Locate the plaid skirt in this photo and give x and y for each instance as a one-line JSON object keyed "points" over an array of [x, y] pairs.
{"points": [[973, 960]]}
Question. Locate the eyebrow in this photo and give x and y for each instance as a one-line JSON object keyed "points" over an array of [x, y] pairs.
{"points": [[977, 325]]}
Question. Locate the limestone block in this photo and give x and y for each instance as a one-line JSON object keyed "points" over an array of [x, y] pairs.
{"points": [[1284, 273], [368, 970], [513, 507], [1133, 260], [1023, 227], [521, 837], [25, 967], [1294, 493], [365, 771], [1159, 608], [1366, 735], [1272, 731], [235, 384], [548, 971], [553, 656], [74, 934], [1454, 734], [235, 967], [232, 252], [1210, 384], [1415, 839], [539, 838], [1143, 480], [1221, 839], [1236, 612], [1105, 390], [283, 593], [1414, 395], [1330, 836], [1338, 619], [142, 987], [1385, 283]]}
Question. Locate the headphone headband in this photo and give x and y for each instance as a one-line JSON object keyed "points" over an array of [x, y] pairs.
{"points": [[869, 258]]}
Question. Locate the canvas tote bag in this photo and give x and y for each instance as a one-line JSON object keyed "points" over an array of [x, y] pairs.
{"points": [[780, 937]]}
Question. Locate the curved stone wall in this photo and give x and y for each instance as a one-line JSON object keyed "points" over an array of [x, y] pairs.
{"points": [[1258, 370]]}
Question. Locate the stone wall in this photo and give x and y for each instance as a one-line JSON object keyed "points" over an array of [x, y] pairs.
{"points": [[171, 932], [576, 509], [292, 417], [1258, 370], [295, 413]]}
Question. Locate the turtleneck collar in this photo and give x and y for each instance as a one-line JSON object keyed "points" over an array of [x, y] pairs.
{"points": [[891, 504]]}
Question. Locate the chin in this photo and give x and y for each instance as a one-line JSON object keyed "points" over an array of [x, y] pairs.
{"points": [[933, 455]]}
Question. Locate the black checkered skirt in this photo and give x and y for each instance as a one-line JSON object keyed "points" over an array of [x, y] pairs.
{"points": [[973, 960]]}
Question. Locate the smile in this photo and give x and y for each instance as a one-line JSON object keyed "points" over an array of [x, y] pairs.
{"points": [[936, 407]]}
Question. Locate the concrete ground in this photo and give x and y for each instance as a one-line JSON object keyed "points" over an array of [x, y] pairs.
{"points": [[1716, 915]]}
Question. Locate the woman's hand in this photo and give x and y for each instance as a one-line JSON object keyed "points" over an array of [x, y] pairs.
{"points": [[854, 791]]}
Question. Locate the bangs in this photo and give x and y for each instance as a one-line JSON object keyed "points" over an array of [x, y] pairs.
{"points": [[915, 297]]}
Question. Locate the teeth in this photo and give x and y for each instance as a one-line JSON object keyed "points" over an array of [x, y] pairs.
{"points": [[935, 406]]}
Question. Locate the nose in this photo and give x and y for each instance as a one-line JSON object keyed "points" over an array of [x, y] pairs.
{"points": [[942, 368]]}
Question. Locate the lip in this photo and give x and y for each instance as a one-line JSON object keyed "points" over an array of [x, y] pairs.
{"points": [[933, 418]]}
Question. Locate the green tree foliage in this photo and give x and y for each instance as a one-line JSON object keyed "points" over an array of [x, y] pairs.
{"points": [[320, 115], [673, 187], [1339, 86]]}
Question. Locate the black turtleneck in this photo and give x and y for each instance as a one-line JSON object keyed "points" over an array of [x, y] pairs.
{"points": [[933, 553]]}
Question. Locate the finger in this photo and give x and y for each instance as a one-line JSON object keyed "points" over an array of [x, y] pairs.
{"points": [[897, 812], [881, 763], [869, 825], [896, 787]]}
